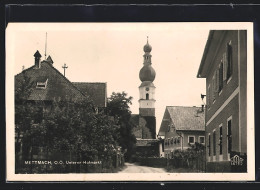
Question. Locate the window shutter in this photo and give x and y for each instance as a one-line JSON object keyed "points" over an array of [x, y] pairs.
{"points": [[225, 66]]}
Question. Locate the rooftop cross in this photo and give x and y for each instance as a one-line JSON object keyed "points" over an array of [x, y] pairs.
{"points": [[64, 67]]}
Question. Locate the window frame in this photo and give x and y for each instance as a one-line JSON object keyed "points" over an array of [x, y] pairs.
{"points": [[214, 142], [203, 139], [221, 139], [229, 61], [220, 77], [209, 144], [229, 137], [193, 139], [209, 97], [41, 85]]}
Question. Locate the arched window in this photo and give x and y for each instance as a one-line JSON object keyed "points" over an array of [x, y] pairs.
{"points": [[147, 96]]}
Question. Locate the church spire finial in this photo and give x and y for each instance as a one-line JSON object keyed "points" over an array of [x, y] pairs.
{"points": [[147, 39]]}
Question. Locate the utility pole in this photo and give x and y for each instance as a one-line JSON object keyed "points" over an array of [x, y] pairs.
{"points": [[64, 67], [45, 45]]}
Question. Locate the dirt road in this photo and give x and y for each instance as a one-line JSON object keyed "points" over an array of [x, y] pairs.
{"points": [[133, 168]]}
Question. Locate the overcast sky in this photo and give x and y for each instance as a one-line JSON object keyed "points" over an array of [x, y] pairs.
{"points": [[113, 53]]}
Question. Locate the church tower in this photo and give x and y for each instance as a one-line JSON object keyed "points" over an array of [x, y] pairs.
{"points": [[147, 88]]}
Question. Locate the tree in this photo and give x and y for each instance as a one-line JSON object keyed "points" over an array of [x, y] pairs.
{"points": [[118, 107], [73, 127], [63, 126]]}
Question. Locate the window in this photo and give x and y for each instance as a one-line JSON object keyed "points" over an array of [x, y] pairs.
{"points": [[208, 97], [191, 139], [214, 143], [147, 96], [209, 146], [201, 139], [220, 87], [220, 139], [177, 140], [229, 136], [229, 60], [41, 85], [172, 140], [214, 79]]}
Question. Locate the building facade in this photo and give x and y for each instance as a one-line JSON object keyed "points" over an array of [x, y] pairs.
{"points": [[46, 85], [181, 128], [224, 65]]}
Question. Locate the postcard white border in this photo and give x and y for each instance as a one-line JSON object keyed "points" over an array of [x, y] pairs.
{"points": [[10, 159]]}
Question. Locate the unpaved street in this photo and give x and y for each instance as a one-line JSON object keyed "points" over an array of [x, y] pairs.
{"points": [[132, 168]]}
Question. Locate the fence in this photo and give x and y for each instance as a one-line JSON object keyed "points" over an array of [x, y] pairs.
{"points": [[195, 163], [191, 164]]}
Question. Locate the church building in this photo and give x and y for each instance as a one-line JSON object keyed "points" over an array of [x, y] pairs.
{"points": [[145, 121]]}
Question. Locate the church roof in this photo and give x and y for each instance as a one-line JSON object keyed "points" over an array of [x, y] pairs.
{"points": [[183, 118], [48, 84], [147, 73], [96, 91], [147, 47]]}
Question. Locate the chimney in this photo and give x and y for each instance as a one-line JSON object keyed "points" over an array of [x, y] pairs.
{"points": [[37, 58]]}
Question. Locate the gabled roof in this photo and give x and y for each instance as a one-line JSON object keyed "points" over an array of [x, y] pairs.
{"points": [[49, 59], [211, 48], [58, 87], [183, 118], [96, 91]]}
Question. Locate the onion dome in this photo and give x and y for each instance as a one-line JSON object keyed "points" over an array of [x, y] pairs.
{"points": [[147, 47], [147, 73]]}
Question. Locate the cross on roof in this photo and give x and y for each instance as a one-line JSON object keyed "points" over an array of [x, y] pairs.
{"points": [[64, 67]]}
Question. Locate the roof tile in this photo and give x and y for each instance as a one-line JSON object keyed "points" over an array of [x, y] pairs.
{"points": [[184, 118], [96, 91]]}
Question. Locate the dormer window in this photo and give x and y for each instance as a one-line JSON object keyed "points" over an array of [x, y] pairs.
{"points": [[42, 84]]}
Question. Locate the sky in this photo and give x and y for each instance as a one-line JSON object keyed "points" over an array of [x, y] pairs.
{"points": [[113, 53]]}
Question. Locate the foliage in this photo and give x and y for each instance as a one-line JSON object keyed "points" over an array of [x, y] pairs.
{"points": [[74, 126], [118, 107], [189, 153], [63, 126]]}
